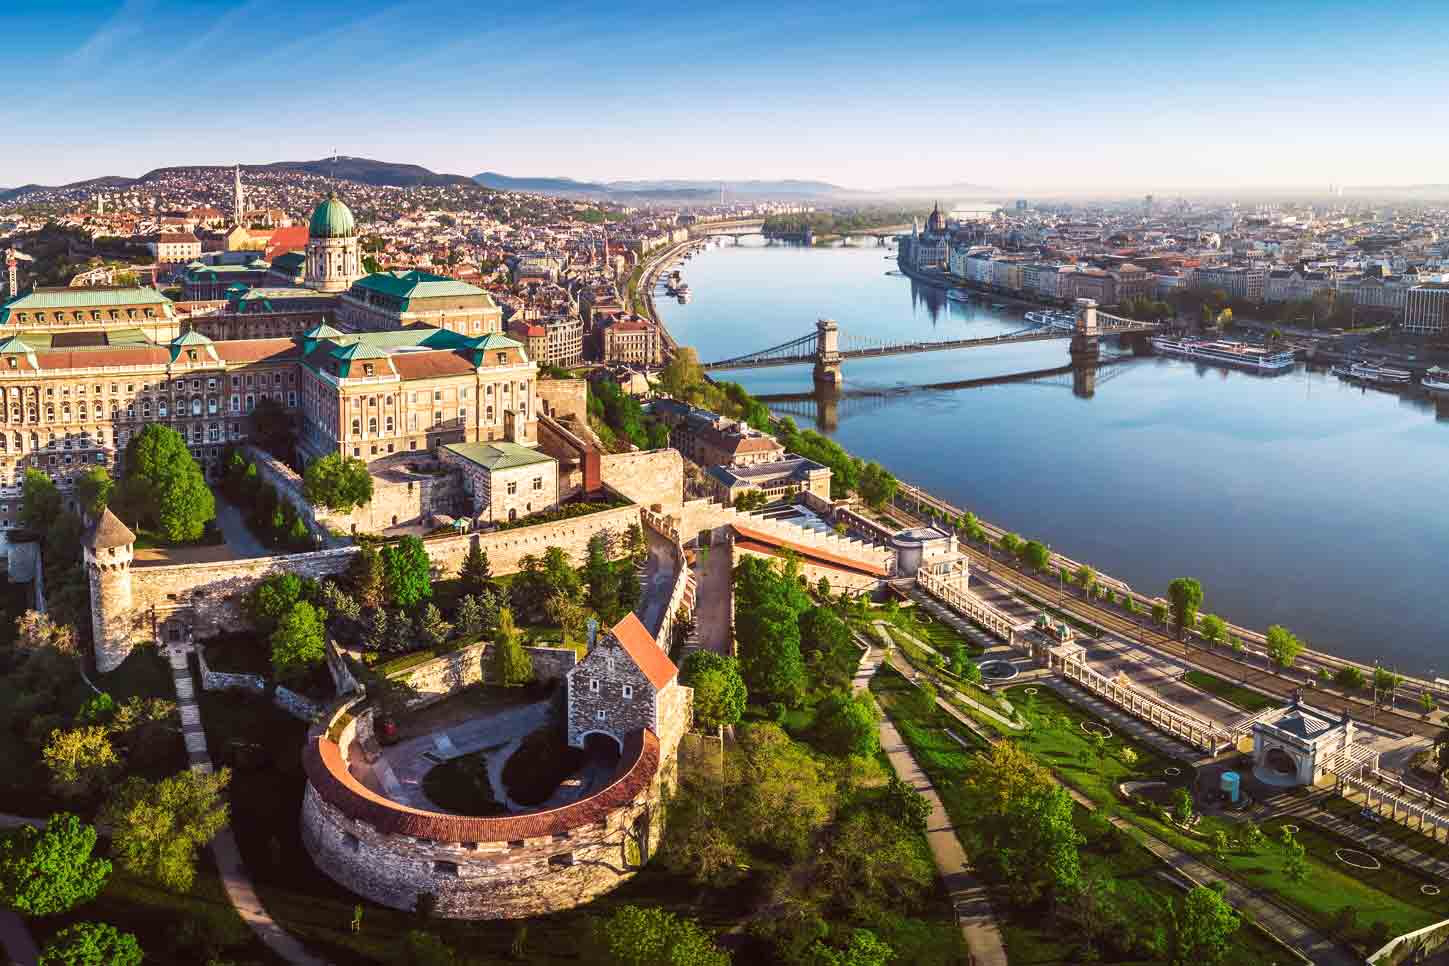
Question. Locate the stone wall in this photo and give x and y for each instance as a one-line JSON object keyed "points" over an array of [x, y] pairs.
{"points": [[609, 694], [649, 477], [477, 868], [564, 397], [296, 705], [505, 548], [434, 680], [226, 680]]}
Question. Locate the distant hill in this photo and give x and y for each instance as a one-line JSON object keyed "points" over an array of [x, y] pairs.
{"points": [[544, 186], [671, 189], [359, 170]]}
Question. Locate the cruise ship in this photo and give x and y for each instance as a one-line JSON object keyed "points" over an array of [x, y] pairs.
{"points": [[1436, 380], [1239, 355], [1378, 375]]}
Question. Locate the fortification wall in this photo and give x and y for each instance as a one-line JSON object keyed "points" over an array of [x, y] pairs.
{"points": [[477, 868], [648, 477], [434, 680], [564, 397], [505, 548]]}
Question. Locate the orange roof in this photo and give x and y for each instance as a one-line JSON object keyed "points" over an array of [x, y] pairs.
{"points": [[635, 639], [255, 350], [285, 240], [426, 365], [813, 553]]}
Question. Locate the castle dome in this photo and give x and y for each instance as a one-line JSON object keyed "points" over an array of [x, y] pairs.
{"points": [[937, 221], [331, 219]]}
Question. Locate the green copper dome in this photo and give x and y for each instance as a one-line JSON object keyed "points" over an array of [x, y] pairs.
{"points": [[331, 219]]}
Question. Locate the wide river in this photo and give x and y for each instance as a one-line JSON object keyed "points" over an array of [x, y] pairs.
{"points": [[1298, 500]]}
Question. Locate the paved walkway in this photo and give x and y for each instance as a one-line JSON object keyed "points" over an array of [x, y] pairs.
{"points": [[15, 938], [712, 598], [239, 537], [234, 878], [1375, 842], [968, 894]]}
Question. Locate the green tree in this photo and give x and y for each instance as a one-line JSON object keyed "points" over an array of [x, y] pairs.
{"points": [[1203, 925], [601, 579], [781, 795], [906, 806], [80, 760], [1035, 554], [1086, 578], [849, 724], [271, 599], [651, 936], [432, 628], [1184, 595], [158, 827], [49, 872], [93, 489], [366, 578], [683, 376], [164, 487], [512, 665], [719, 691], [40, 500], [337, 482], [1385, 682], [476, 573], [1349, 678], [768, 605], [748, 500], [1159, 612], [407, 572], [865, 949], [468, 622], [1295, 865], [91, 944], [1283, 646], [1214, 629], [298, 643], [877, 486]]}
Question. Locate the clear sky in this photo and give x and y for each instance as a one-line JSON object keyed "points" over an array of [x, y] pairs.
{"points": [[1025, 94]]}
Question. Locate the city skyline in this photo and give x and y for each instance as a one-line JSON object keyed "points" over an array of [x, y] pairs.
{"points": [[1040, 97]]}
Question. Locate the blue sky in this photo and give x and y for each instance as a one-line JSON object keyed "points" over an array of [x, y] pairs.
{"points": [[1044, 95]]}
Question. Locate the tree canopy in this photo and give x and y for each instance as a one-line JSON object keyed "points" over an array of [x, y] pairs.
{"points": [[407, 572], [163, 486], [512, 665], [157, 827], [91, 944], [337, 482], [719, 691], [93, 489], [1203, 925], [49, 872], [768, 605], [1283, 646], [1184, 595], [651, 936], [299, 642], [40, 500]]}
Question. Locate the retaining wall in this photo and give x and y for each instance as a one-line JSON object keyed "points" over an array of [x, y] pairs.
{"points": [[435, 679]]}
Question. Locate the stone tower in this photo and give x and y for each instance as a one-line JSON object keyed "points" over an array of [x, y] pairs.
{"points": [[334, 252], [109, 548]]}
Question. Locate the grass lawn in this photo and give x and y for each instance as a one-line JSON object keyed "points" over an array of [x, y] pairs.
{"points": [[1405, 835], [1245, 698]]}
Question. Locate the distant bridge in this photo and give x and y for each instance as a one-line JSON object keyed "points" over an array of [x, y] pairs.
{"points": [[823, 347]]}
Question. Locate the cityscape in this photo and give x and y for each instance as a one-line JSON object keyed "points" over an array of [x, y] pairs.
{"points": [[825, 521]]}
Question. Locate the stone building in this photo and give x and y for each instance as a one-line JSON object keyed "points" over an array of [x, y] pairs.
{"points": [[176, 248], [632, 341], [563, 343], [395, 300], [108, 549], [504, 480], [625, 683], [776, 479], [126, 310], [334, 255], [1298, 744]]}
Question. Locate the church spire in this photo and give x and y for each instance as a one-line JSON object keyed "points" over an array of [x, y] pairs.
{"points": [[239, 201]]}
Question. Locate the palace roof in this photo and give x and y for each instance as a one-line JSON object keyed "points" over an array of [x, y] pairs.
{"points": [[415, 284], [499, 455]]}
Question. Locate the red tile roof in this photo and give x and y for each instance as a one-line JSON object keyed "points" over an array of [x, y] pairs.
{"points": [[641, 647], [110, 356], [814, 553], [426, 365], [257, 350], [327, 773], [285, 240]]}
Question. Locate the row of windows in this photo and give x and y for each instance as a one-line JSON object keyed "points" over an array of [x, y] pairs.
{"points": [[95, 315], [252, 379], [163, 409], [594, 688]]}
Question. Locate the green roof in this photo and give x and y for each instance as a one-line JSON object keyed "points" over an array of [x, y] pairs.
{"points": [[12, 344], [359, 350], [332, 219], [285, 293], [321, 331], [414, 284], [82, 340], [290, 262], [191, 337], [84, 298], [498, 456]]}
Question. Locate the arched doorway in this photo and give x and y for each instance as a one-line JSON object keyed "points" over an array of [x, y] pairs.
{"points": [[1280, 761]]}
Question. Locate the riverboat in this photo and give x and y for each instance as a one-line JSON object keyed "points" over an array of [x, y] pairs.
{"points": [[1239, 355], [1370, 373], [998, 305], [956, 295], [1065, 321], [1436, 380]]}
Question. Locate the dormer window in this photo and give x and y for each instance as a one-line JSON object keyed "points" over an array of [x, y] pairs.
{"points": [[367, 369], [14, 362], [191, 354]]}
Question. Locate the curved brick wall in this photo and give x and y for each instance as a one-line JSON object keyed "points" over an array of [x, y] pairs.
{"points": [[478, 867]]}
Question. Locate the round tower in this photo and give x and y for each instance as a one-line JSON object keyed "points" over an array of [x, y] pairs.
{"points": [[109, 547], [334, 252]]}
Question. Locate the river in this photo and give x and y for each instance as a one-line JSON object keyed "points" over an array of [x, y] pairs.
{"points": [[1296, 499]]}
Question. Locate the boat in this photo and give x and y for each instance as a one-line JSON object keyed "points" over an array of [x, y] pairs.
{"points": [[1371, 373], [1436, 379], [956, 295], [998, 305], [1064, 321], [1239, 355]]}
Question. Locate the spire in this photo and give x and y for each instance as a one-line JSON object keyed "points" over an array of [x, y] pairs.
{"points": [[240, 200]]}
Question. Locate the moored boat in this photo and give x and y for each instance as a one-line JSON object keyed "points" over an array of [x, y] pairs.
{"points": [[1436, 380], [1239, 355], [1371, 373]]}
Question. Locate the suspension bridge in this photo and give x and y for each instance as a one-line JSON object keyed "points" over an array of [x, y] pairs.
{"points": [[827, 350]]}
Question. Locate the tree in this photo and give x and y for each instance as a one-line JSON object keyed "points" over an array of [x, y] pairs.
{"points": [[512, 665], [682, 377], [719, 691], [1182, 806], [1036, 555], [163, 485], [40, 500], [865, 949], [337, 482], [651, 936], [905, 805], [375, 630], [849, 724], [157, 827], [271, 599], [1203, 924], [50, 872], [1283, 646], [877, 486], [768, 605], [1185, 596], [1086, 578], [475, 573], [780, 793], [468, 622], [601, 579], [1385, 681], [80, 759], [748, 500], [1349, 678], [407, 572], [432, 628], [1214, 629], [93, 489], [366, 578], [1159, 612], [91, 944], [571, 617], [1295, 866], [298, 643], [1009, 542]]}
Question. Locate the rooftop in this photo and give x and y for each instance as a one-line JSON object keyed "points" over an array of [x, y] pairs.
{"points": [[498, 455]]}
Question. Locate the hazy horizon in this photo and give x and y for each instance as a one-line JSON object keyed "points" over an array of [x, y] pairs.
{"points": [[1043, 96]]}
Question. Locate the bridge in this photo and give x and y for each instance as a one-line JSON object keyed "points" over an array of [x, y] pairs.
{"points": [[745, 229], [823, 347]]}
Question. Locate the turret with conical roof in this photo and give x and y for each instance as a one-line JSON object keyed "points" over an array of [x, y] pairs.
{"points": [[109, 547]]}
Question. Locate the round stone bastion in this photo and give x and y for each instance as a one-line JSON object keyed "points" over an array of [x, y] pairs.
{"points": [[475, 867]]}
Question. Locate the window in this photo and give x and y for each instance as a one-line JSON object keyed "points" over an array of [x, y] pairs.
{"points": [[445, 868], [538, 482], [512, 487], [628, 692], [593, 685], [601, 715]]}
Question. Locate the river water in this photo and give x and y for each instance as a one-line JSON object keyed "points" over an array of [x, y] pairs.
{"points": [[1296, 499]]}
